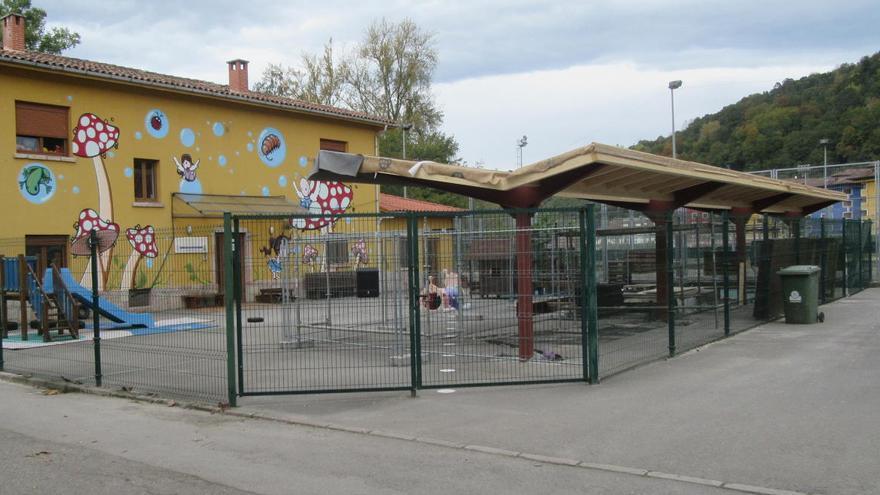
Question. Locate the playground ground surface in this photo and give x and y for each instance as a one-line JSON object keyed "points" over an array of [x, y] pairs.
{"points": [[366, 345]]}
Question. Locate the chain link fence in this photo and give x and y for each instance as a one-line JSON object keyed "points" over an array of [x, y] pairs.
{"points": [[279, 305]]}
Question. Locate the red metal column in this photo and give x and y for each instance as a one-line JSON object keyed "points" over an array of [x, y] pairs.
{"points": [[661, 253], [525, 321]]}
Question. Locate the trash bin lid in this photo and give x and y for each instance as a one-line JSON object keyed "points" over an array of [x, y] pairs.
{"points": [[799, 270]]}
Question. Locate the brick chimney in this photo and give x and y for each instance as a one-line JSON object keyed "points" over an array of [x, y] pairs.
{"points": [[13, 32], [238, 75]]}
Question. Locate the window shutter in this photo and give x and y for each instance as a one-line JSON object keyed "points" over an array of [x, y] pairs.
{"points": [[32, 119], [332, 145]]}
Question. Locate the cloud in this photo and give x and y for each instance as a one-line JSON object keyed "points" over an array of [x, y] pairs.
{"points": [[564, 72], [614, 104]]}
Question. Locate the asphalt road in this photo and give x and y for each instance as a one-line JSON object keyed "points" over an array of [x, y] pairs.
{"points": [[85, 444]]}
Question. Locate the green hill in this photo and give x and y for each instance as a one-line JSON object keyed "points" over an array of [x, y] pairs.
{"points": [[782, 127]]}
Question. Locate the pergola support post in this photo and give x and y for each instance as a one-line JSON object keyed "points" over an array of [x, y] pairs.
{"points": [[662, 218], [524, 308], [739, 217]]}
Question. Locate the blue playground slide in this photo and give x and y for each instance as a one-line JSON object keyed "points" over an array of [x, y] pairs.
{"points": [[112, 312]]}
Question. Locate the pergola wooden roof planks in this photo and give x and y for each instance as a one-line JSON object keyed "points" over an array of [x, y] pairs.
{"points": [[652, 184], [597, 172]]}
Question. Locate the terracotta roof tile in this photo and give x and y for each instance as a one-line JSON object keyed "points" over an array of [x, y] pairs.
{"points": [[195, 86], [389, 202]]}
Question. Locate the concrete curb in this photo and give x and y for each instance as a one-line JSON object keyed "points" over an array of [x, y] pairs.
{"points": [[65, 387]]}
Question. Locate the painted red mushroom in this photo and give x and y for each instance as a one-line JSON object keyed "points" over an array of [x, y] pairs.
{"points": [[143, 244], [106, 232], [325, 201], [93, 137]]}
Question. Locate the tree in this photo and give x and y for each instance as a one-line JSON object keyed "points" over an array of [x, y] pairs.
{"points": [[391, 74], [321, 79], [36, 36], [783, 127], [388, 75]]}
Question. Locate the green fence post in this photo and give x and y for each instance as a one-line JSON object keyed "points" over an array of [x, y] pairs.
{"points": [[823, 260], [96, 316], [589, 309], [584, 296], [229, 247], [415, 331], [237, 262], [725, 261], [870, 248], [765, 237], [845, 257], [861, 278], [670, 282]]}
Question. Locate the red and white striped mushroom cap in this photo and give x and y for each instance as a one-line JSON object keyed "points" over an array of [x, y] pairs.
{"points": [[143, 240], [93, 136]]}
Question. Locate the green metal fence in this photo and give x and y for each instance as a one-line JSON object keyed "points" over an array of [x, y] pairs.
{"points": [[259, 305]]}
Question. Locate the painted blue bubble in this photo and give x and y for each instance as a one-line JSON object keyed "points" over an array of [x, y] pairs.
{"points": [[60, 177], [271, 147], [250, 134], [111, 154], [250, 147], [128, 172], [194, 187], [221, 160], [187, 137], [348, 220], [138, 135], [36, 182], [149, 262], [219, 129], [156, 123], [75, 189], [303, 161], [265, 190], [282, 181], [69, 98]]}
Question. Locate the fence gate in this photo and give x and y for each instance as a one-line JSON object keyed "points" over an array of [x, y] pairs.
{"points": [[356, 305]]}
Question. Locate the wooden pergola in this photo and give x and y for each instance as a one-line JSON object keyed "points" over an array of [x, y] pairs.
{"points": [[651, 184]]}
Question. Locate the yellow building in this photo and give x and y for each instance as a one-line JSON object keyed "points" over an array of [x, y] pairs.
{"points": [[437, 234], [87, 144]]}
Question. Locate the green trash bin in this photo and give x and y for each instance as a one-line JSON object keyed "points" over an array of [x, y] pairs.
{"points": [[800, 292]]}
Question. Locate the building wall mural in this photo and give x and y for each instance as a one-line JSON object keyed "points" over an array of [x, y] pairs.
{"points": [[37, 183], [200, 145]]}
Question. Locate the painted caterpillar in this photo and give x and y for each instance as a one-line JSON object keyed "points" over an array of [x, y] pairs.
{"points": [[270, 144]]}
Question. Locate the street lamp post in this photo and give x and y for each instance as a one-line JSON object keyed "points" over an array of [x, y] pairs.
{"points": [[520, 144], [673, 85], [405, 127], [682, 238], [824, 143]]}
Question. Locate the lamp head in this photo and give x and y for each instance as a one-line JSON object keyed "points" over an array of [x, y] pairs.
{"points": [[824, 141], [674, 84]]}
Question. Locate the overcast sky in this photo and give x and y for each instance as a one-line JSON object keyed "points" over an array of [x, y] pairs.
{"points": [[564, 73]]}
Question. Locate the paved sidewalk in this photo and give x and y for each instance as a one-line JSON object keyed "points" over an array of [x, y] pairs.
{"points": [[783, 406]]}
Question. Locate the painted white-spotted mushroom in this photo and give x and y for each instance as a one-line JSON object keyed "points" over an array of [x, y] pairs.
{"points": [[324, 200], [143, 244], [106, 233], [93, 138]]}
